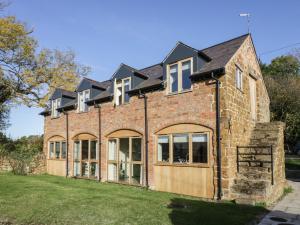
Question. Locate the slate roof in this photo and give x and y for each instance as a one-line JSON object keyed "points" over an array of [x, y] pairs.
{"points": [[220, 54], [69, 104], [102, 85], [154, 71], [101, 97], [45, 112], [147, 84], [65, 93], [217, 56], [138, 72]]}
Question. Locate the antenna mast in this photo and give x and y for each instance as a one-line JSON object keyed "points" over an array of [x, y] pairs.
{"points": [[248, 19]]}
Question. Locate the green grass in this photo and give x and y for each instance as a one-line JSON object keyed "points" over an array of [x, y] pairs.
{"points": [[292, 164], [287, 190], [55, 200]]}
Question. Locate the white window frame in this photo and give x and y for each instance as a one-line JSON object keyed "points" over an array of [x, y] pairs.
{"points": [[122, 85], [179, 72], [54, 105], [190, 142], [88, 161], [238, 78], [84, 94]]}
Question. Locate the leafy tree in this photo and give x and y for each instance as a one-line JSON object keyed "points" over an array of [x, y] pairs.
{"points": [[31, 76], [282, 78]]}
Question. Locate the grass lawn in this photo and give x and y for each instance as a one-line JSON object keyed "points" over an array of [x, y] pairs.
{"points": [[55, 200], [292, 163]]}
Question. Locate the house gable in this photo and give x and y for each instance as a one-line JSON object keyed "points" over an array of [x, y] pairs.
{"points": [[182, 51]]}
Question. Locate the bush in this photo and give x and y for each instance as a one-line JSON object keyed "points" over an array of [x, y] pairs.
{"points": [[23, 154]]}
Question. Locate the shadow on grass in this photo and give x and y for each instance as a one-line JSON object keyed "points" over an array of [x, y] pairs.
{"points": [[188, 211]]}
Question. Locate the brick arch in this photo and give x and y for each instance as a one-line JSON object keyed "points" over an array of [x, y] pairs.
{"points": [[124, 132], [170, 125], [56, 138], [84, 135]]}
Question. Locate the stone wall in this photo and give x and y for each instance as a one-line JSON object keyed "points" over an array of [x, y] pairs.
{"points": [[236, 121], [38, 166]]}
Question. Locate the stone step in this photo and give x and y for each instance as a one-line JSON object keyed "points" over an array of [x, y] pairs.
{"points": [[247, 169], [255, 175], [271, 125], [250, 187]]}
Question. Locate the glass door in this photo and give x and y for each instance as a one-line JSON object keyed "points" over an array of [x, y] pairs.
{"points": [[124, 160]]}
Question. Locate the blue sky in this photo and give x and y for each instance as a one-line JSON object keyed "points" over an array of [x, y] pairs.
{"points": [[141, 33]]}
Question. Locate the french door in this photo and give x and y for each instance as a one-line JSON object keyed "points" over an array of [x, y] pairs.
{"points": [[125, 160]]}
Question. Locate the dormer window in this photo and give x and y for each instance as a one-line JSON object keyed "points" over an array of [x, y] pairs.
{"points": [[121, 88], [178, 75], [83, 97], [54, 105]]}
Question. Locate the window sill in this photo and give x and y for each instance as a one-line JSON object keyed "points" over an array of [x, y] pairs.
{"points": [[124, 183], [178, 93], [199, 165], [83, 112], [85, 178], [56, 159], [54, 118]]}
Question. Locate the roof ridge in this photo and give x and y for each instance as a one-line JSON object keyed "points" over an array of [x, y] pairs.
{"points": [[232, 39]]}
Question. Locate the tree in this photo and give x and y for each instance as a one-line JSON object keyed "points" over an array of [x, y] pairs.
{"points": [[31, 76], [282, 78]]}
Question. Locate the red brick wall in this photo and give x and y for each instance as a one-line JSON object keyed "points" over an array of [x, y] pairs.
{"points": [[196, 106]]}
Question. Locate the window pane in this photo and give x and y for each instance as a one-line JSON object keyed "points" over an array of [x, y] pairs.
{"points": [[136, 149], [112, 150], [94, 150], [174, 78], [76, 169], [118, 94], [51, 152], [86, 98], [136, 174], [186, 72], [199, 148], [238, 78], [126, 88], [81, 101], [112, 172], [94, 169], [77, 150], [57, 150], [124, 150], [85, 149], [84, 169], [180, 148], [124, 172], [63, 150], [163, 149], [57, 106]]}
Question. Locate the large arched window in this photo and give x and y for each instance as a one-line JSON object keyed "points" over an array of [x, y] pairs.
{"points": [[57, 148], [125, 157], [86, 156], [183, 144]]}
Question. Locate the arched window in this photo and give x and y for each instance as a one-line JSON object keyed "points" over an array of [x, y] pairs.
{"points": [[57, 148], [125, 157], [183, 144], [86, 156]]}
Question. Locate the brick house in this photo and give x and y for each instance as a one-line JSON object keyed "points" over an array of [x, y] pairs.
{"points": [[174, 126]]}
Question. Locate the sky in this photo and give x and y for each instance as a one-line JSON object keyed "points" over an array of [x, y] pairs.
{"points": [[104, 34]]}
